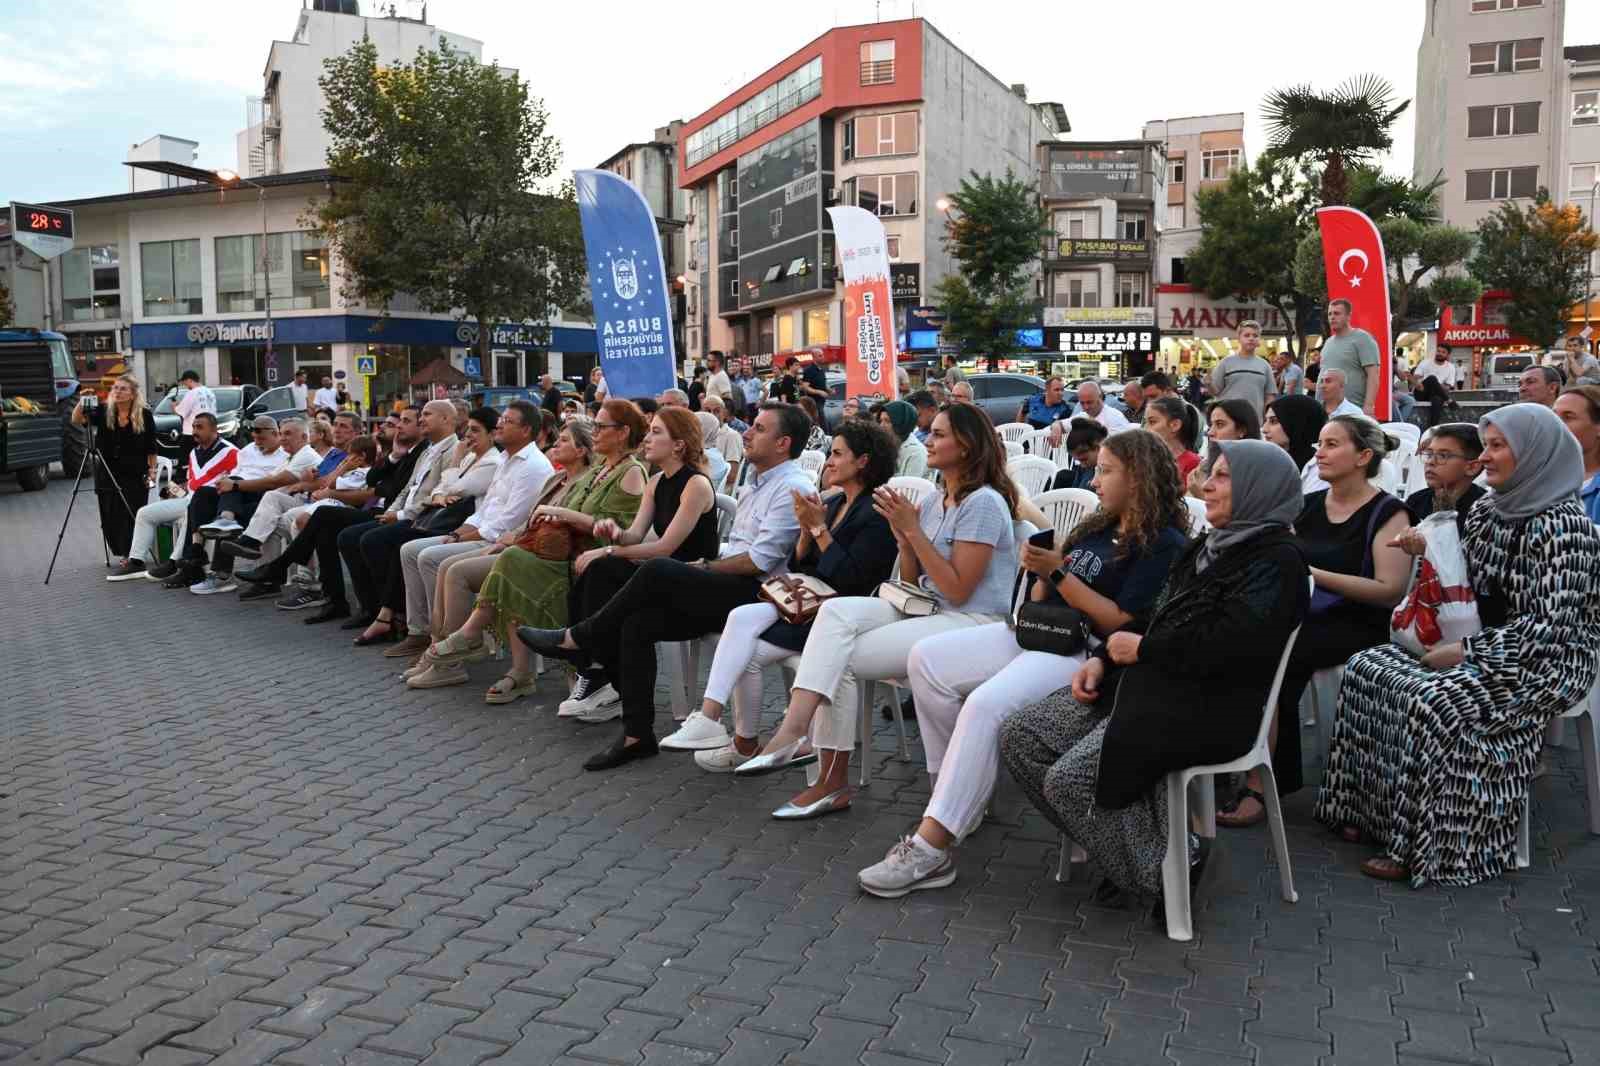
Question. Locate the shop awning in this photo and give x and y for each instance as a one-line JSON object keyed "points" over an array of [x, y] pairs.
{"points": [[439, 372]]}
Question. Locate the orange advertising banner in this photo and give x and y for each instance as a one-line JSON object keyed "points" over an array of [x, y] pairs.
{"points": [[868, 310]]}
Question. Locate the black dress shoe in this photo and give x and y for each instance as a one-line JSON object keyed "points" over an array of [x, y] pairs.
{"points": [[264, 591], [185, 576], [246, 547], [547, 642], [270, 574], [328, 613], [621, 753], [361, 621]]}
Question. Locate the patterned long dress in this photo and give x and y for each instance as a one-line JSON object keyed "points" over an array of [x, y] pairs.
{"points": [[526, 590], [1434, 764]]}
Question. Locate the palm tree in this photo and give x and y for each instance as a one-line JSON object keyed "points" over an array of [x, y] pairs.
{"points": [[1345, 126]]}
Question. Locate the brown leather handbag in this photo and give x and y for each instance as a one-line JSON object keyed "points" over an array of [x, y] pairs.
{"points": [[555, 541], [798, 597]]}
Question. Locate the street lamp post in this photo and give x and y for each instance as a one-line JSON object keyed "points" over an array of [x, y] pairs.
{"points": [[228, 177]]}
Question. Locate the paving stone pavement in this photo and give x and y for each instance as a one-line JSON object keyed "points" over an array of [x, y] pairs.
{"points": [[226, 837]]}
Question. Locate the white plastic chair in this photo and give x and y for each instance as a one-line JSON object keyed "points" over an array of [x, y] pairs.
{"points": [[1039, 445], [1415, 477], [1014, 432], [1404, 431], [1066, 508], [1404, 457], [1587, 713], [811, 462], [1031, 474], [913, 488], [1197, 516], [1387, 479], [684, 655], [1013, 449]]}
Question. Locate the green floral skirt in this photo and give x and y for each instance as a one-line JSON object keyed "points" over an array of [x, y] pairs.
{"points": [[525, 590]]}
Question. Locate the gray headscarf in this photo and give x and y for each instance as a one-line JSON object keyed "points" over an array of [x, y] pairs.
{"points": [[1266, 495], [1549, 461]]}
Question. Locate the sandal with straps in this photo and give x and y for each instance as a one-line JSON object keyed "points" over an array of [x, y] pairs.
{"points": [[453, 649], [1383, 868], [1231, 817], [511, 688]]}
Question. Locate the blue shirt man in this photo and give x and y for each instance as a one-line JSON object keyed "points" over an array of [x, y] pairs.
{"points": [[1042, 409], [1590, 494]]}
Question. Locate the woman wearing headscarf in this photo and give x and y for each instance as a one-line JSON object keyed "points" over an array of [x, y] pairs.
{"points": [[1189, 681], [1431, 759], [901, 418], [1293, 423]]}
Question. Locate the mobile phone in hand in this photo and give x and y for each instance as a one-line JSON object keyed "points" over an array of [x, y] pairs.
{"points": [[1045, 538]]}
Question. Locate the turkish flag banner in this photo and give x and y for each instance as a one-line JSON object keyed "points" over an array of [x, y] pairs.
{"points": [[1352, 257]]}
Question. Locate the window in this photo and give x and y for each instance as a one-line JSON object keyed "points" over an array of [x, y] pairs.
{"points": [[1480, 6], [1218, 164], [1503, 120], [877, 62], [1077, 289], [887, 194], [296, 272], [768, 105], [876, 135], [1180, 271], [1175, 219], [816, 325], [1132, 291], [893, 245], [774, 272], [1581, 180], [1130, 227], [1507, 183], [733, 290], [1586, 108], [170, 274], [1175, 171], [1078, 224], [1505, 57], [1461, 314], [785, 331], [91, 284]]}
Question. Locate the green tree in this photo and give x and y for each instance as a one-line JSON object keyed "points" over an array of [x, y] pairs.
{"points": [[1334, 130], [1413, 251], [993, 230], [1540, 255], [7, 311], [438, 164], [1378, 195], [1250, 227]]}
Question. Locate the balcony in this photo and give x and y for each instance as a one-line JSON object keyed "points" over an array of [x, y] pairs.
{"points": [[877, 72]]}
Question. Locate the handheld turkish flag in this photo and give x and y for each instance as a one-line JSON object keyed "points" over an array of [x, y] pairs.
{"points": [[1352, 256]]}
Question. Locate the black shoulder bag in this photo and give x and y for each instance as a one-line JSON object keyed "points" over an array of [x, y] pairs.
{"points": [[1050, 626]]}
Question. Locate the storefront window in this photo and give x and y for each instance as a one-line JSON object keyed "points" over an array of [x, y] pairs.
{"points": [[170, 276], [297, 278], [785, 331], [816, 325], [91, 284], [505, 368], [162, 367]]}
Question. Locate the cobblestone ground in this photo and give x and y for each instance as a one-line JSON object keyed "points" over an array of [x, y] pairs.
{"points": [[226, 837]]}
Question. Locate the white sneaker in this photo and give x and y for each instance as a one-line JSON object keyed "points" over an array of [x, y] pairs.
{"points": [[911, 864], [212, 584], [721, 760], [586, 698], [605, 712], [698, 733], [222, 527]]}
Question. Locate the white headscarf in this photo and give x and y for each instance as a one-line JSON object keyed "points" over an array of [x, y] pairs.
{"points": [[1549, 461]]}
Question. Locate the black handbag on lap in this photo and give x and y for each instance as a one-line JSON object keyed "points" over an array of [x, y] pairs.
{"points": [[1051, 626], [446, 519]]}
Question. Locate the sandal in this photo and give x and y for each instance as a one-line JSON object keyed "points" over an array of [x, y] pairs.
{"points": [[511, 688], [1352, 834], [1384, 868], [1231, 817], [453, 649], [389, 635]]}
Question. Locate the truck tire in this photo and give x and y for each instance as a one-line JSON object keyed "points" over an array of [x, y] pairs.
{"points": [[34, 478]]}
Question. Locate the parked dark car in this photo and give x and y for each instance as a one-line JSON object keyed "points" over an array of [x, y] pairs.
{"points": [[500, 397], [1001, 395], [231, 414]]}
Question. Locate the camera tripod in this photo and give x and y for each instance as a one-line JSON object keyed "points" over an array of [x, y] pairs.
{"points": [[91, 453]]}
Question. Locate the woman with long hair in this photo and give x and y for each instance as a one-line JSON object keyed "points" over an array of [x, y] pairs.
{"points": [[1181, 687], [1431, 760], [1345, 532], [845, 544], [1294, 424], [530, 576], [1225, 420], [126, 439], [1168, 418], [958, 548], [967, 682]]}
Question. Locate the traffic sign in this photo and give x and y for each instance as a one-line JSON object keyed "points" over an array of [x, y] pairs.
{"points": [[367, 365]]}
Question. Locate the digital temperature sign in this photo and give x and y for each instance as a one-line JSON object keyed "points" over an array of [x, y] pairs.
{"points": [[34, 218]]}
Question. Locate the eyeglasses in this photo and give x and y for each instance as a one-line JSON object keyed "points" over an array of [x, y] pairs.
{"points": [[607, 425], [1439, 457]]}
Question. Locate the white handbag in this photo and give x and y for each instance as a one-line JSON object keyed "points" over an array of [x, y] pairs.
{"points": [[908, 599]]}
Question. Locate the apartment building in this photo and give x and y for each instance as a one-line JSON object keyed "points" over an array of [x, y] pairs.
{"points": [[889, 117], [1201, 151], [1581, 152]]}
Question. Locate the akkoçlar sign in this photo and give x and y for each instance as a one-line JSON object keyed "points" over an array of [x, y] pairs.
{"points": [[229, 332]]}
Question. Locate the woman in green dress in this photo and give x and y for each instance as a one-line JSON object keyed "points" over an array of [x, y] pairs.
{"points": [[524, 589]]}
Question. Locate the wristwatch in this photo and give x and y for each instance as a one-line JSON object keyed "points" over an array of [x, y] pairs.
{"points": [[1057, 576]]}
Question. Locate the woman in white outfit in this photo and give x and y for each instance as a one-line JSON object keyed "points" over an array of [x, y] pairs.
{"points": [[958, 548], [844, 543], [968, 682]]}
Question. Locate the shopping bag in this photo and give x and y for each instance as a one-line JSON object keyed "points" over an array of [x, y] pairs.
{"points": [[1440, 605]]}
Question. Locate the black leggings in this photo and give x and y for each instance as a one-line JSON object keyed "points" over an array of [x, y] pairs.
{"points": [[117, 511]]}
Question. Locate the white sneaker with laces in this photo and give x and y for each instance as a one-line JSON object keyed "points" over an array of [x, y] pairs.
{"points": [[586, 698], [212, 584], [604, 712], [912, 864], [698, 733], [721, 760]]}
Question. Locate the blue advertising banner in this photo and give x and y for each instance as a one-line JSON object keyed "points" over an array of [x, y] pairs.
{"points": [[627, 282]]}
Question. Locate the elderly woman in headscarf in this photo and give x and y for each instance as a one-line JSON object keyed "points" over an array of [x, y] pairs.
{"points": [[1189, 680], [901, 418], [1293, 423], [1431, 759]]}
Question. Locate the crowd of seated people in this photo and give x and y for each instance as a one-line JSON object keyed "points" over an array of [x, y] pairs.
{"points": [[591, 541]]}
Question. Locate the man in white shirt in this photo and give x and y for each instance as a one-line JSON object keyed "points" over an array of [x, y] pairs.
{"points": [[255, 470], [502, 510], [729, 441], [374, 559], [194, 399], [326, 397], [300, 393], [1091, 404], [1330, 390], [718, 383]]}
